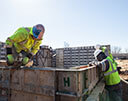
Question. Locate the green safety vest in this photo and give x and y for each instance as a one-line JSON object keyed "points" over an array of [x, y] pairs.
{"points": [[111, 76]]}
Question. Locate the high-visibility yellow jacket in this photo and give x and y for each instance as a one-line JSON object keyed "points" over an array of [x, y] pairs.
{"points": [[22, 39], [111, 76], [108, 53]]}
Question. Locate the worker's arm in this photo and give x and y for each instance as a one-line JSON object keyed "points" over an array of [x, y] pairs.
{"points": [[104, 65], [33, 52], [17, 37], [36, 48]]}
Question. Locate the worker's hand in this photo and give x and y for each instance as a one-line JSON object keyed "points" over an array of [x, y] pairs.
{"points": [[25, 60], [90, 64], [29, 64], [10, 59], [94, 63]]}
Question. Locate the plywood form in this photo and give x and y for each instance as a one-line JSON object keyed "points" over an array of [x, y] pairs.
{"points": [[74, 84], [97, 92], [4, 78], [67, 98], [23, 96], [42, 83], [34, 81], [43, 58], [29, 83]]}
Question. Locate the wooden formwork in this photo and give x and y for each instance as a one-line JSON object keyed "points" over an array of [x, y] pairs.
{"points": [[33, 84], [5, 85], [23, 96], [75, 84], [43, 58], [48, 84]]}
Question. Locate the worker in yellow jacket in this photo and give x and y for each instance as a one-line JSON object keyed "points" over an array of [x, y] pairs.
{"points": [[111, 76], [24, 44]]}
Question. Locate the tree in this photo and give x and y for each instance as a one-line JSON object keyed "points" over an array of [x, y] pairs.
{"points": [[126, 50], [66, 44], [116, 50]]}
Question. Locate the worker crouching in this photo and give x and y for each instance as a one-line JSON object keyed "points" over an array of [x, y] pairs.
{"points": [[23, 45], [111, 76]]}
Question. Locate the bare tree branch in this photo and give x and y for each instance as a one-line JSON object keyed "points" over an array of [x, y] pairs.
{"points": [[116, 50], [126, 50]]}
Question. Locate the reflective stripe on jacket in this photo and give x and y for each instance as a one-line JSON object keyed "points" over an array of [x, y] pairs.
{"points": [[111, 76]]}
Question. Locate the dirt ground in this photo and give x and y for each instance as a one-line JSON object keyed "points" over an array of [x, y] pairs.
{"points": [[124, 68]]}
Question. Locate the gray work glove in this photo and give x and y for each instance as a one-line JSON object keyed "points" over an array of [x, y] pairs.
{"points": [[94, 63]]}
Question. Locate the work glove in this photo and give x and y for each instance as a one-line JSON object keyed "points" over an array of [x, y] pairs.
{"points": [[29, 64], [26, 57], [10, 59], [25, 60], [94, 63]]}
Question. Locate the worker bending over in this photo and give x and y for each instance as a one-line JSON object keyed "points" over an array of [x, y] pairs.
{"points": [[111, 76], [24, 44]]}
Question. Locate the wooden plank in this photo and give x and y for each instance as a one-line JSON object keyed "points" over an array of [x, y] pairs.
{"points": [[17, 79], [4, 78], [66, 98], [2, 98], [94, 96], [23, 96], [73, 85], [3, 63], [38, 82], [67, 81]]}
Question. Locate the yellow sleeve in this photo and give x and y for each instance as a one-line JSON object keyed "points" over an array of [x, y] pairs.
{"points": [[36, 48], [19, 36]]}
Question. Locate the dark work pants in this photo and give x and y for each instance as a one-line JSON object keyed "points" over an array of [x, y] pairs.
{"points": [[114, 92]]}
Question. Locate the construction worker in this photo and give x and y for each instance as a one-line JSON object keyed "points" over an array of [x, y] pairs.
{"points": [[106, 51], [111, 76], [24, 44]]}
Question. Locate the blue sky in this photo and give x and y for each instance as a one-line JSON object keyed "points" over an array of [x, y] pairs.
{"points": [[78, 22]]}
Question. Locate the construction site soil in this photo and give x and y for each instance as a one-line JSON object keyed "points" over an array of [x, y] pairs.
{"points": [[124, 68]]}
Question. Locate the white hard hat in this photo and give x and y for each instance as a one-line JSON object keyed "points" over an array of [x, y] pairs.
{"points": [[97, 46], [97, 52]]}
